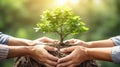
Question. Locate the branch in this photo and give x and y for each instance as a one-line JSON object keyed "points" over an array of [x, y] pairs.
{"points": [[57, 32], [66, 35]]}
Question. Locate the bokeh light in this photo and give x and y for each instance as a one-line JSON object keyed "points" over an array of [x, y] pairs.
{"points": [[60, 2], [97, 2], [74, 1]]}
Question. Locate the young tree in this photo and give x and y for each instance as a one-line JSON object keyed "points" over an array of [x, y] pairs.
{"points": [[61, 21]]}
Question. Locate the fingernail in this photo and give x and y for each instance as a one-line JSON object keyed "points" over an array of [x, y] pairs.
{"points": [[55, 49], [62, 50]]}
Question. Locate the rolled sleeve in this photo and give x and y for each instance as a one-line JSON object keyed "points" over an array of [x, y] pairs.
{"points": [[3, 52], [116, 40], [3, 46], [3, 38], [115, 54]]}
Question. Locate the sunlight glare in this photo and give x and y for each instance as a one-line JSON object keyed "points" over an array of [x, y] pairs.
{"points": [[60, 2], [74, 1], [98, 2]]}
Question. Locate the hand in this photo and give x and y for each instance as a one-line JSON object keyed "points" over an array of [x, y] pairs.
{"points": [[46, 40], [76, 42], [78, 55], [40, 53]]}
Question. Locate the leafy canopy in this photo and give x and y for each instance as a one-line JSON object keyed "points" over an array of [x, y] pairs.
{"points": [[61, 21]]}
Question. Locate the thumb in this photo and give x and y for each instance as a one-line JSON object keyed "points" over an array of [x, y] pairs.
{"points": [[49, 48], [67, 50]]}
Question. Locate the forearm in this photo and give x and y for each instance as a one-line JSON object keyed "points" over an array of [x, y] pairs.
{"points": [[17, 51], [14, 51], [100, 43], [12, 41], [100, 53]]}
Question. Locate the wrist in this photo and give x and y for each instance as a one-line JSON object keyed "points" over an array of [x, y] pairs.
{"points": [[30, 43], [17, 51], [90, 44], [12, 41], [85, 52], [89, 57], [99, 53], [30, 50]]}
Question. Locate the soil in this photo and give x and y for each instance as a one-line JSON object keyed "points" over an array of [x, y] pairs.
{"points": [[27, 61]]}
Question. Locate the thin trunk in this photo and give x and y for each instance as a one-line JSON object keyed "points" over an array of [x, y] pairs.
{"points": [[61, 39]]}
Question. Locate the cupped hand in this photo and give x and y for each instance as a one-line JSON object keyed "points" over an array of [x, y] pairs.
{"points": [[76, 42], [78, 55], [46, 40], [41, 54]]}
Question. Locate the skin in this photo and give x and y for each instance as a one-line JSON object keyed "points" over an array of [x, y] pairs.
{"points": [[92, 44], [12, 41], [38, 52], [79, 52], [36, 49], [82, 51]]}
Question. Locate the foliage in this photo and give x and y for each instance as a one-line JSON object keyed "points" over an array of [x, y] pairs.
{"points": [[61, 21], [102, 17]]}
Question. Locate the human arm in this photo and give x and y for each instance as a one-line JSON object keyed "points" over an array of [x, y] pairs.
{"points": [[113, 41], [14, 47], [100, 43], [79, 54], [38, 52], [12, 41], [92, 44]]}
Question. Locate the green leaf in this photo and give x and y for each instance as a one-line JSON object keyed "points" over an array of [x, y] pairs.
{"points": [[61, 21]]}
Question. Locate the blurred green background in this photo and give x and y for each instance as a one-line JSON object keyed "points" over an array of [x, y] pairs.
{"points": [[19, 17]]}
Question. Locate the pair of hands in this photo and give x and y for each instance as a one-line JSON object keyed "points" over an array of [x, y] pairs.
{"points": [[78, 54]]}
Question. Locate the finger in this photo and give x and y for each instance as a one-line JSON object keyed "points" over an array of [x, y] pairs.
{"points": [[44, 39], [40, 43], [51, 57], [49, 48], [78, 42], [71, 65], [67, 50], [47, 40], [53, 63], [65, 64], [69, 41], [47, 65], [74, 64], [64, 59]]}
